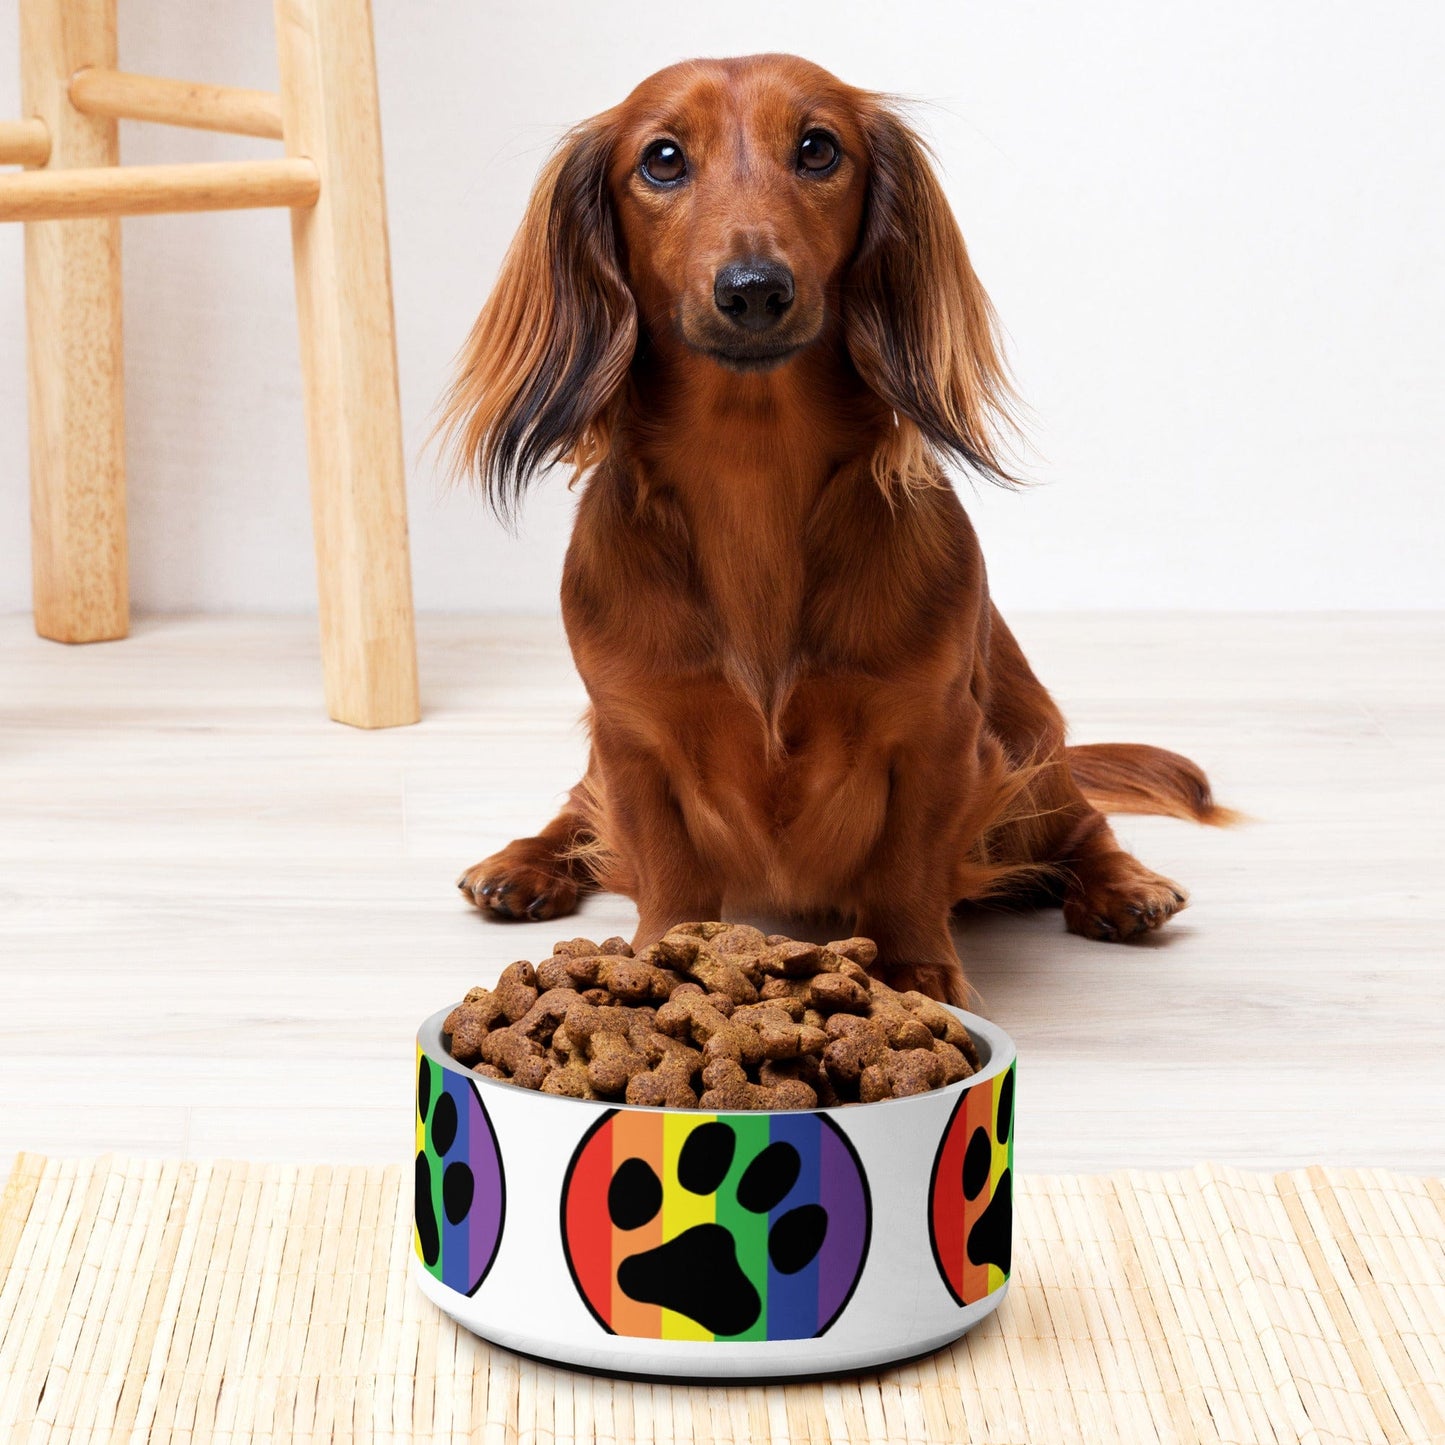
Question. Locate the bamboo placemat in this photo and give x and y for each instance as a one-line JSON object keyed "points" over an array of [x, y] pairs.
{"points": [[155, 1301]]}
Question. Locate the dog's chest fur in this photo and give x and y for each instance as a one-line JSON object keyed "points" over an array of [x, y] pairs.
{"points": [[768, 655]]}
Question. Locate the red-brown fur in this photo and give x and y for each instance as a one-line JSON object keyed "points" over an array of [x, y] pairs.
{"points": [[803, 699]]}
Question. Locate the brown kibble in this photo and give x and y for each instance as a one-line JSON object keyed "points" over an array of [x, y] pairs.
{"points": [[575, 948], [508, 1049], [603, 1035], [857, 1044], [552, 972], [691, 1016], [727, 1087], [570, 1081], [739, 938], [835, 993], [941, 1023], [468, 1024], [795, 960], [669, 1083], [688, 955], [776, 988], [704, 931], [955, 1064], [862, 951], [541, 1020], [713, 1013], [806, 1068], [628, 980], [516, 989]]}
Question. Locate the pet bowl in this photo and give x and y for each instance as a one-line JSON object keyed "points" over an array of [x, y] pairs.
{"points": [[677, 1243]]}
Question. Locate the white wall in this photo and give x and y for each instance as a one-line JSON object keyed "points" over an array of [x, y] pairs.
{"points": [[1214, 234]]}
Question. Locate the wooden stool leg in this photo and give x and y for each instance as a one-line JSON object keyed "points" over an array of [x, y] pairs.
{"points": [[348, 355], [72, 300]]}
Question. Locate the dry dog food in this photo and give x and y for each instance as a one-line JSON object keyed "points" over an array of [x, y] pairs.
{"points": [[714, 1016]]}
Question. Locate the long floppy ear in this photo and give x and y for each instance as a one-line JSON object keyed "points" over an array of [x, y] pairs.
{"points": [[547, 356], [919, 325]]}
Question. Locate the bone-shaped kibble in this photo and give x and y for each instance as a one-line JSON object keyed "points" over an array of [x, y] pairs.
{"points": [[550, 1009], [669, 1083], [837, 993], [779, 1036], [602, 1034], [469, 1023], [862, 951], [726, 1086], [807, 1069], [797, 960], [902, 1029], [629, 980], [955, 1063], [570, 1081], [941, 1023], [899, 1074], [768, 1022], [686, 954], [520, 1057], [516, 989]]}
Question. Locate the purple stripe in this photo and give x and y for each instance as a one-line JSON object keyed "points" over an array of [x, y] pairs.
{"points": [[486, 1211], [840, 1192]]}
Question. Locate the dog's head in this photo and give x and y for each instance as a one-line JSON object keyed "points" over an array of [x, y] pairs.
{"points": [[731, 214]]}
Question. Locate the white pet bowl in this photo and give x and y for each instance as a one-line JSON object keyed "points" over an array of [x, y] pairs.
{"points": [[680, 1244]]}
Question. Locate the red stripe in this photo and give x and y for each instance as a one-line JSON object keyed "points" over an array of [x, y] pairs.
{"points": [[948, 1205], [589, 1230]]}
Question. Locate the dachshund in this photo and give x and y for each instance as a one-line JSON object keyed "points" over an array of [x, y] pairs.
{"points": [[740, 309]]}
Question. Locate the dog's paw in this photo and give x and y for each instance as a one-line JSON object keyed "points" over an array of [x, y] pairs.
{"points": [[1115, 899], [516, 884]]}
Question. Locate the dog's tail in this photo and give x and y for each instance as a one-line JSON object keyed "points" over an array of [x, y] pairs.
{"points": [[1135, 778]]}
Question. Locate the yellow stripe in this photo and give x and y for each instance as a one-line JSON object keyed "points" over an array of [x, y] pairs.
{"points": [[681, 1209], [420, 1144]]}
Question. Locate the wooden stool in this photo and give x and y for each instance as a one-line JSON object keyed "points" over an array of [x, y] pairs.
{"points": [[331, 178]]}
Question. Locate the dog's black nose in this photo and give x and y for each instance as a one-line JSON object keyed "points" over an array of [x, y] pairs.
{"points": [[754, 294]]}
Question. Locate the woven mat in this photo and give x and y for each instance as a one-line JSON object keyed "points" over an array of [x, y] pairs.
{"points": [[143, 1300]]}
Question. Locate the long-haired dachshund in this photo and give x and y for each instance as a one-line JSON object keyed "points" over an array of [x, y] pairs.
{"points": [[740, 308]]}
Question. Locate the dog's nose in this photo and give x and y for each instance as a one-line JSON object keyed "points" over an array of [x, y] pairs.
{"points": [[754, 294]]}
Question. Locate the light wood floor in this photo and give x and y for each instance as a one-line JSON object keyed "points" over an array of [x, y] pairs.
{"points": [[222, 917]]}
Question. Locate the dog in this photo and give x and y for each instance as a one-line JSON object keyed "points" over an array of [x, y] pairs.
{"points": [[740, 308]]}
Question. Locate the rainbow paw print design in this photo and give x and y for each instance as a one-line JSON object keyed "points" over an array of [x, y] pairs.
{"points": [[970, 1213], [460, 1189], [715, 1227]]}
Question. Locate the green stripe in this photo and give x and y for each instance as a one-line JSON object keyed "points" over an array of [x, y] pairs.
{"points": [[749, 1230], [434, 1160]]}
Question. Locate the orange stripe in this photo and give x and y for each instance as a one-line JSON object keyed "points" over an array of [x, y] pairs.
{"points": [[636, 1136]]}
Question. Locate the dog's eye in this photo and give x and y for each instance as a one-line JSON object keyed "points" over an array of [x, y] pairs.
{"points": [[817, 153], [664, 162]]}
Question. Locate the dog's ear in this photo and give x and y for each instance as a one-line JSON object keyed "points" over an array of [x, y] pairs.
{"points": [[548, 354], [919, 325]]}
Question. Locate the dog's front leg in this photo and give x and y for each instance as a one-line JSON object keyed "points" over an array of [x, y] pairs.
{"points": [[647, 828], [903, 896]]}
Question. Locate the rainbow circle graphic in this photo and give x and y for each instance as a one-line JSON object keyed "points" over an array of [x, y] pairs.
{"points": [[461, 1191], [687, 1226], [970, 1209]]}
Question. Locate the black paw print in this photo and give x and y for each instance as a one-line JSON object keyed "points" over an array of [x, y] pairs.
{"points": [[697, 1273]]}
